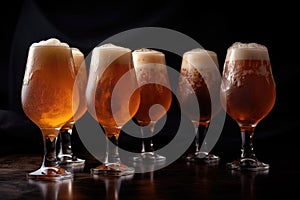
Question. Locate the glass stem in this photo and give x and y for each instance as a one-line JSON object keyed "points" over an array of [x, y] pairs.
{"points": [[200, 133], [196, 139], [50, 139], [147, 143], [112, 151], [65, 142], [247, 145]]}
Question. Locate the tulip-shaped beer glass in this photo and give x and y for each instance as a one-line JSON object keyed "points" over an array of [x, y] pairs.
{"points": [[156, 96], [200, 71], [113, 99], [48, 100], [65, 153], [248, 95]]}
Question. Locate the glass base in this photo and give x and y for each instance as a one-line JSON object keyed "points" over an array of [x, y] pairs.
{"points": [[248, 164], [112, 169], [149, 157], [70, 161], [202, 157], [50, 174]]}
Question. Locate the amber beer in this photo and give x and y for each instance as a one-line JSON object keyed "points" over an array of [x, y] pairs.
{"points": [[151, 72], [47, 92], [112, 91], [200, 77], [248, 89]]}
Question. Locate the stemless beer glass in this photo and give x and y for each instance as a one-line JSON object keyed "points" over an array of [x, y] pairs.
{"points": [[65, 154], [200, 71], [248, 95], [113, 99], [156, 97], [48, 100]]}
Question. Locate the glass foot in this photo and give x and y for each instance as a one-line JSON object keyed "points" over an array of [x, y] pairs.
{"points": [[249, 164], [71, 161], [203, 157], [112, 169], [149, 157], [50, 174]]}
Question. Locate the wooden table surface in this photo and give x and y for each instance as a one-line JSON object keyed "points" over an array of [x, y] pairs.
{"points": [[179, 180]]}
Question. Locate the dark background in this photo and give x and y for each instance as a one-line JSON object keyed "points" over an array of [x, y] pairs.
{"points": [[84, 24]]}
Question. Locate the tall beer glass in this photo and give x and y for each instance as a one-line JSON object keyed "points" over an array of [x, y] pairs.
{"points": [[248, 94], [200, 71], [48, 100], [113, 99], [65, 154], [156, 97]]}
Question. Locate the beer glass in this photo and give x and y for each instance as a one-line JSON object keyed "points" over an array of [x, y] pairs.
{"points": [[65, 153], [200, 71], [156, 97], [248, 95], [48, 100], [113, 99]]}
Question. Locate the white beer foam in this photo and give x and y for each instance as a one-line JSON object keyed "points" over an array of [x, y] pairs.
{"points": [[112, 48], [201, 58], [106, 54], [150, 66], [76, 51], [109, 53], [247, 51], [50, 42], [78, 57], [147, 51], [147, 56]]}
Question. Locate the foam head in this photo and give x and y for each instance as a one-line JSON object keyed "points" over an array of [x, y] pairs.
{"points": [[76, 51], [78, 57], [112, 50], [147, 56], [247, 51], [150, 66], [201, 58], [104, 55], [50, 42]]}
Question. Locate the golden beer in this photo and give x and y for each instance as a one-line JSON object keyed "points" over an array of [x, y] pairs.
{"points": [[80, 85], [113, 98], [112, 93], [47, 92], [48, 97]]}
